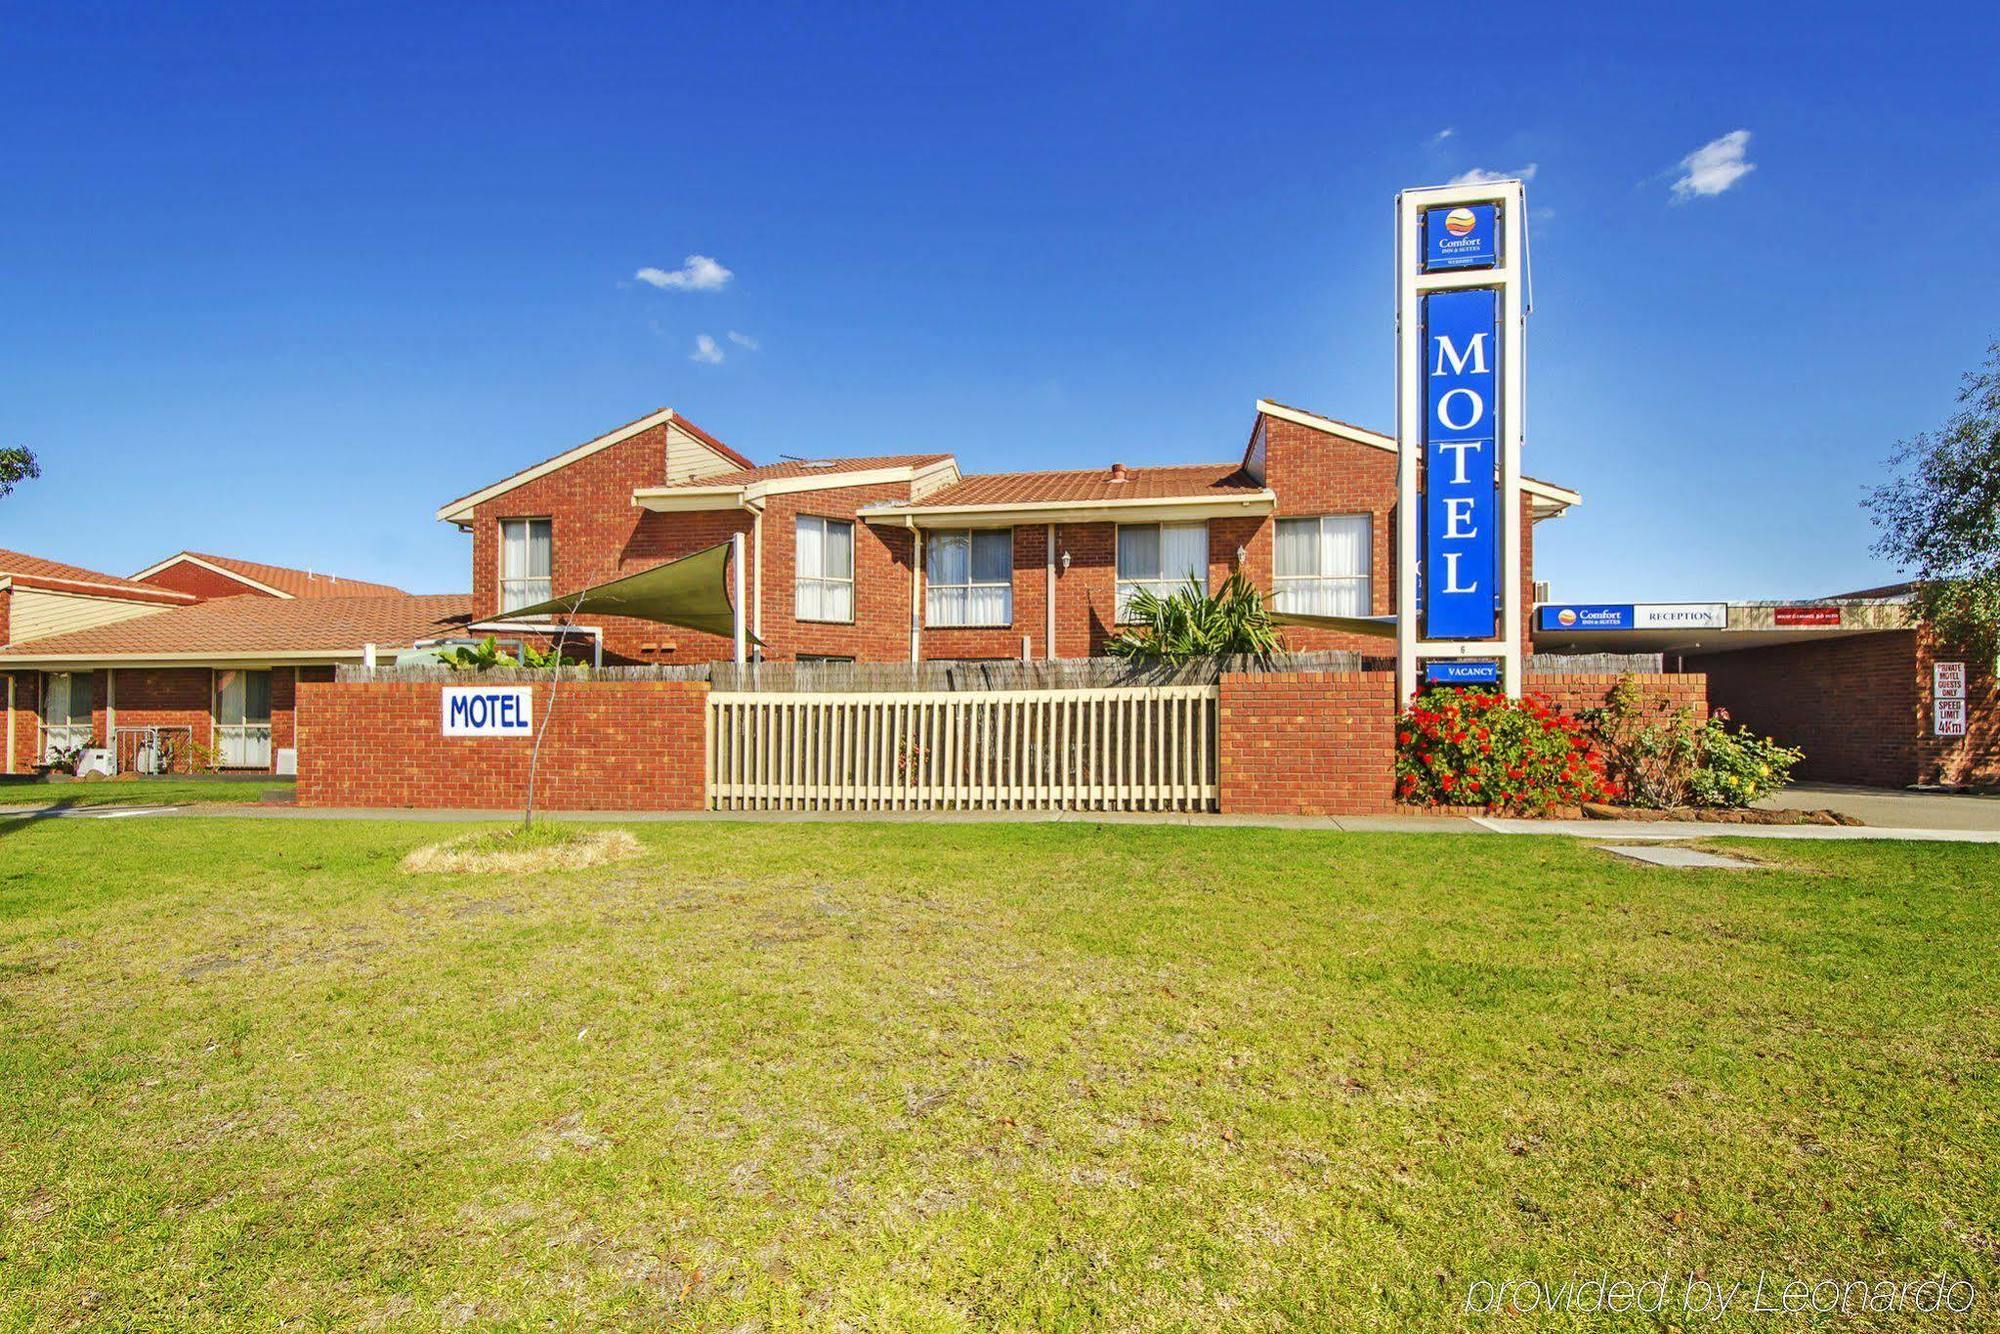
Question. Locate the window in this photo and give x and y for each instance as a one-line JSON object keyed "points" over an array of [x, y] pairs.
{"points": [[66, 699], [969, 577], [1323, 565], [825, 589], [527, 562], [243, 719], [1160, 558]]}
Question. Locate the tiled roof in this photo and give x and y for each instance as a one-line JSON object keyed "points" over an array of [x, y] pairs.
{"points": [[1198, 480], [35, 567], [250, 625], [298, 583], [813, 468]]}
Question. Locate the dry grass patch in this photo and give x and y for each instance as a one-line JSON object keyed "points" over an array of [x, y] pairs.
{"points": [[542, 847]]}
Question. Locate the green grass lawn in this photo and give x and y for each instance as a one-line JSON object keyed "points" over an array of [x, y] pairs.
{"points": [[25, 790], [1049, 1076]]}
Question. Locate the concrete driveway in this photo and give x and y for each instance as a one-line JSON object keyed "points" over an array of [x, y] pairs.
{"points": [[1893, 808]]}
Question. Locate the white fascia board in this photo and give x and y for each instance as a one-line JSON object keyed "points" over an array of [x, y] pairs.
{"points": [[188, 558], [460, 510], [284, 657], [1326, 425], [684, 499], [1140, 510]]}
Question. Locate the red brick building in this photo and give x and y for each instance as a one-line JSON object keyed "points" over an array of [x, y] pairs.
{"points": [[194, 659], [903, 557]]}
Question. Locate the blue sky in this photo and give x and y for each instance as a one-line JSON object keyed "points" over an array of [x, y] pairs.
{"points": [[277, 282]]}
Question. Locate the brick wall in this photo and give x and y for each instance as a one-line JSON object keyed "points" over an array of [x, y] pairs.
{"points": [[1308, 743], [25, 718], [610, 745], [1323, 743], [187, 577], [1970, 760], [1574, 692], [172, 697], [1851, 704]]}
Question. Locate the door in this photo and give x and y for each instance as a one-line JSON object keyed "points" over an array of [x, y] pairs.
{"points": [[243, 719]]}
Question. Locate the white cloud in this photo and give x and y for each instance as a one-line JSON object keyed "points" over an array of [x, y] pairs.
{"points": [[1715, 166], [1443, 134], [705, 351], [698, 274], [744, 340], [1481, 176]]}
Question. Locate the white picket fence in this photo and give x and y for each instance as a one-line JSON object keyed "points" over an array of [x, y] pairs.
{"points": [[1134, 749]]}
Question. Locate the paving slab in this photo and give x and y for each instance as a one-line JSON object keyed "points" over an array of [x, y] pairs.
{"points": [[1671, 855]]}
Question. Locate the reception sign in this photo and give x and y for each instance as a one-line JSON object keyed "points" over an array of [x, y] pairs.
{"points": [[1633, 616], [1461, 488]]}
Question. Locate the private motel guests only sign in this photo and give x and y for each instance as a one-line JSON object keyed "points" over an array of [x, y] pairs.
{"points": [[489, 711]]}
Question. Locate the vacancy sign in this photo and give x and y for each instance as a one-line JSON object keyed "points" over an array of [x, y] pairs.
{"points": [[488, 711], [1948, 699]]}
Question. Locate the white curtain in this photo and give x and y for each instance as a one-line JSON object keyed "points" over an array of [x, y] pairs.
{"points": [[1160, 558], [243, 719], [825, 559], [969, 578], [1323, 565], [66, 722], [527, 555]]}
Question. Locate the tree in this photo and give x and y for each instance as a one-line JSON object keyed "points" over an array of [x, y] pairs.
{"points": [[1189, 623], [16, 465], [1940, 519]]}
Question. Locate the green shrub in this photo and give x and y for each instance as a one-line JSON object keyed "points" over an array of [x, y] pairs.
{"points": [[1663, 756], [1192, 623], [1459, 747]]}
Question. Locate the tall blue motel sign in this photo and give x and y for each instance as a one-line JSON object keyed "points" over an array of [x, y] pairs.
{"points": [[1462, 494]]}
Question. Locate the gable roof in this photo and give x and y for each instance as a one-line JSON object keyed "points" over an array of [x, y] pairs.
{"points": [[38, 569], [1551, 499], [462, 507], [253, 629], [277, 580]]}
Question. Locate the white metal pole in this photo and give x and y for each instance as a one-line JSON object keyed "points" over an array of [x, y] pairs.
{"points": [[736, 611]]}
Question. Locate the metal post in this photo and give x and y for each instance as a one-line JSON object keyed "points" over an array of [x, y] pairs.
{"points": [[736, 579]]}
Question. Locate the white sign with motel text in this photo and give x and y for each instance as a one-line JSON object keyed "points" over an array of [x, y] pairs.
{"points": [[488, 711]]}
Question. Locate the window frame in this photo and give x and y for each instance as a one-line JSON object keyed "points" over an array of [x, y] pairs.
{"points": [[248, 731], [70, 728], [1366, 579], [503, 603], [800, 578], [971, 535], [1162, 585]]}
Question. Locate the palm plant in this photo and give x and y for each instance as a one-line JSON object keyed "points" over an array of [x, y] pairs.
{"points": [[1193, 623]]}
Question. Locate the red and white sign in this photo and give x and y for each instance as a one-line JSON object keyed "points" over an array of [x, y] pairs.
{"points": [[1805, 616], [1948, 699]]}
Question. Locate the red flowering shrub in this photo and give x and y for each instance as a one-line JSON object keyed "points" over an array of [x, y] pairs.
{"points": [[1457, 747]]}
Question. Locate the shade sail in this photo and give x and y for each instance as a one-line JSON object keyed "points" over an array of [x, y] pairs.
{"points": [[692, 592], [1376, 627]]}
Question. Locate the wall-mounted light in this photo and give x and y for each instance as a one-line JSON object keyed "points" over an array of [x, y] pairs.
{"points": [[1242, 554], [1065, 562]]}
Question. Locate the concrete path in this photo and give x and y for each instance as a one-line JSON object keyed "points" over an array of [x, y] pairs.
{"points": [[1608, 831], [1890, 807]]}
